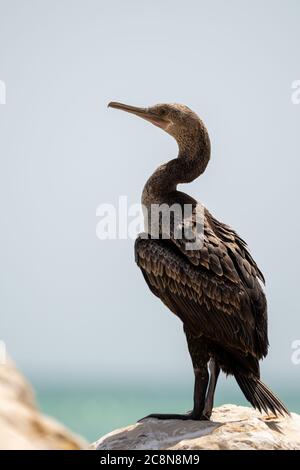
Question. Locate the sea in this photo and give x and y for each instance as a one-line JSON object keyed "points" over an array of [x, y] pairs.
{"points": [[94, 410]]}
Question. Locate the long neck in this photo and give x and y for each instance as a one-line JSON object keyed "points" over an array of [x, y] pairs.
{"points": [[193, 157]]}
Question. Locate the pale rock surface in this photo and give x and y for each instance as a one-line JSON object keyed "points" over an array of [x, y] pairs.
{"points": [[22, 426], [231, 428]]}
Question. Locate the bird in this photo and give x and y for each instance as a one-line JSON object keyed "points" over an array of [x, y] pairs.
{"points": [[212, 284]]}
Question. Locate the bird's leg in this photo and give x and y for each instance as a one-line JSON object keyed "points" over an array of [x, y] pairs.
{"points": [[200, 387], [214, 370]]}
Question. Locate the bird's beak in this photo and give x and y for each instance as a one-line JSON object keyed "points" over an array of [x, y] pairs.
{"points": [[141, 112]]}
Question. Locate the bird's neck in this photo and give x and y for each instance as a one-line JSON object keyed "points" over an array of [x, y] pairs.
{"points": [[191, 162]]}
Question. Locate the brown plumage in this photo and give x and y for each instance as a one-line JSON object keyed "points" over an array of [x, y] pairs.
{"points": [[214, 288]]}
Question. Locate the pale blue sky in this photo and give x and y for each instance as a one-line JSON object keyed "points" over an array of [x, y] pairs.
{"points": [[76, 308]]}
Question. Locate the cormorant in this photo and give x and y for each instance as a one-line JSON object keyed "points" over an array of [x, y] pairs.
{"points": [[216, 288]]}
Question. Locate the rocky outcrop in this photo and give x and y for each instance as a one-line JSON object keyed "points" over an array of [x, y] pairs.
{"points": [[22, 426], [231, 428]]}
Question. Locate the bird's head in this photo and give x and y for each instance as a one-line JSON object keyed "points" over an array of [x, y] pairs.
{"points": [[176, 119]]}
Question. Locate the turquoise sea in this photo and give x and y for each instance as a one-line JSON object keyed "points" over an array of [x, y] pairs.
{"points": [[93, 411]]}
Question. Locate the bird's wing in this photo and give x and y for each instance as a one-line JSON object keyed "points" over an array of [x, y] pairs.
{"points": [[213, 289], [221, 250]]}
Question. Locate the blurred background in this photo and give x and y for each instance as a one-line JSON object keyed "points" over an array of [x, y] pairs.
{"points": [[76, 315]]}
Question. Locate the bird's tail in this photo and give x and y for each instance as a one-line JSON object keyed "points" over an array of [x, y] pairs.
{"points": [[260, 396]]}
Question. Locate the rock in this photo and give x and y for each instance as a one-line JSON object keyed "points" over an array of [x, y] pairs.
{"points": [[231, 428], [22, 426]]}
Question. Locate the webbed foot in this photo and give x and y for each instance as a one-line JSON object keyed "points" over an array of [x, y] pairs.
{"points": [[186, 416]]}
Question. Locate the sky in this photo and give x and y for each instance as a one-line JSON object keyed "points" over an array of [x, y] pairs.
{"points": [[76, 308]]}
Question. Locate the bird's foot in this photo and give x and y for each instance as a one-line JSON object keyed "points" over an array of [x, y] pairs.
{"points": [[207, 412], [186, 416]]}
